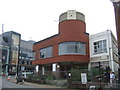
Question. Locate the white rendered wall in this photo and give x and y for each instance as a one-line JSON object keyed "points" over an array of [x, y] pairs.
{"points": [[102, 57]]}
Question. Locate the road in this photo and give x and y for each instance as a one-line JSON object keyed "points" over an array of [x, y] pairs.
{"points": [[8, 84]]}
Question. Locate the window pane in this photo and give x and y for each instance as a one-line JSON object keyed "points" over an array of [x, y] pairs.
{"points": [[72, 48], [46, 52], [100, 47]]}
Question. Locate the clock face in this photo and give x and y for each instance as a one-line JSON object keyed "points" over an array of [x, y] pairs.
{"points": [[115, 0]]}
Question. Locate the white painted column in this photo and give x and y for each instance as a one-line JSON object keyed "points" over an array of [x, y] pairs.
{"points": [[111, 62], [25, 74], [56, 70], [89, 65], [54, 67], [37, 68], [43, 70]]}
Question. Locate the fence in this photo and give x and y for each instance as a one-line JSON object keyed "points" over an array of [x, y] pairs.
{"points": [[104, 86], [95, 77], [56, 75]]}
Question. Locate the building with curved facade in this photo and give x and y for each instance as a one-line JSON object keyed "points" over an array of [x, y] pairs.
{"points": [[65, 50]]}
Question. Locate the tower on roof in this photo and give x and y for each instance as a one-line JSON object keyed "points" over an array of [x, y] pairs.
{"points": [[71, 15]]}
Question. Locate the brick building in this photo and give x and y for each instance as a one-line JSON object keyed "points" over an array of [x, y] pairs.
{"points": [[65, 50]]}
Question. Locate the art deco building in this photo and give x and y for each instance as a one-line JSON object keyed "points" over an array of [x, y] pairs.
{"points": [[65, 50]]}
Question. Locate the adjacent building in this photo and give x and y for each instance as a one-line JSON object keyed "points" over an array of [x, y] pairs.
{"points": [[104, 49], [25, 58], [4, 51], [10, 56], [65, 50], [17, 54]]}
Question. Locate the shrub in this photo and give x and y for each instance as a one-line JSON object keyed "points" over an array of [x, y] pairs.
{"points": [[62, 83], [36, 77], [30, 76], [91, 74], [50, 77], [33, 77], [75, 75]]}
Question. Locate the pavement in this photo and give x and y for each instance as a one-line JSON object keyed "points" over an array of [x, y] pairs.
{"points": [[35, 84]]}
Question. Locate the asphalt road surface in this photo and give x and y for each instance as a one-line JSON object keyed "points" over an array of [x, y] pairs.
{"points": [[8, 84]]}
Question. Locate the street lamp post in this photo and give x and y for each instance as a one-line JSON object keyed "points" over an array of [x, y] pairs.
{"points": [[116, 4], [17, 63], [7, 62], [100, 74]]}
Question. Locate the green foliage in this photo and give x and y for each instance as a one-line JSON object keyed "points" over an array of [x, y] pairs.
{"points": [[50, 77], [34, 77], [30, 76], [91, 74], [97, 71], [75, 75], [83, 67], [62, 83]]}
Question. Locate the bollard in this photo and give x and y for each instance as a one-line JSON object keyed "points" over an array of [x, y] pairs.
{"points": [[8, 78]]}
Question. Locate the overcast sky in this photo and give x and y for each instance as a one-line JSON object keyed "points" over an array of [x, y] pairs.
{"points": [[39, 19]]}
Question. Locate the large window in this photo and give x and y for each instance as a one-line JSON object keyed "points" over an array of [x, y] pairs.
{"points": [[46, 52], [100, 47], [72, 48]]}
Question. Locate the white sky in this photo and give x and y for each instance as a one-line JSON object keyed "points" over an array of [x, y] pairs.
{"points": [[38, 19]]}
